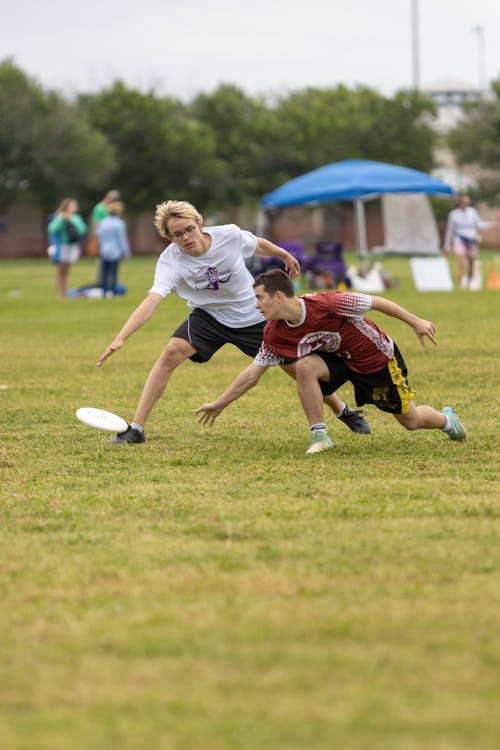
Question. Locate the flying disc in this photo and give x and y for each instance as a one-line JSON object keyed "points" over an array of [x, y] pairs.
{"points": [[101, 419]]}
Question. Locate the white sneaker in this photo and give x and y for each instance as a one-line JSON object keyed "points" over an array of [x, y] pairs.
{"points": [[319, 442], [457, 430]]}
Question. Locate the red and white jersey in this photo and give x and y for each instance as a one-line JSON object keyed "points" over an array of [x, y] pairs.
{"points": [[331, 322]]}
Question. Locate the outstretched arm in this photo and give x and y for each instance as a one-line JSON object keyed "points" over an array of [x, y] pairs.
{"points": [[247, 378], [420, 326], [140, 315], [267, 249]]}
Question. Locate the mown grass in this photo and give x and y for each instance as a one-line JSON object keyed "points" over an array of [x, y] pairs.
{"points": [[217, 588]]}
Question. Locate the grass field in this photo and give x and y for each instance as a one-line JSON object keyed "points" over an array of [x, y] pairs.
{"points": [[219, 589]]}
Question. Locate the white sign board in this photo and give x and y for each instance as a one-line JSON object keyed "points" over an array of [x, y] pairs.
{"points": [[431, 274], [409, 224]]}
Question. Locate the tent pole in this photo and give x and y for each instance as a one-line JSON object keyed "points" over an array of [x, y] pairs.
{"points": [[361, 241]]}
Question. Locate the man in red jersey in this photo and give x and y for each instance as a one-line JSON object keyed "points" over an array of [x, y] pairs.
{"points": [[331, 342]]}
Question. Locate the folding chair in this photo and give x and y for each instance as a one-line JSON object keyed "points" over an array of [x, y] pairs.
{"points": [[330, 262]]}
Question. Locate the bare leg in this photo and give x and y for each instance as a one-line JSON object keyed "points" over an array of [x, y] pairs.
{"points": [[471, 265], [309, 371], [176, 351], [333, 401], [421, 418], [62, 271], [461, 271]]}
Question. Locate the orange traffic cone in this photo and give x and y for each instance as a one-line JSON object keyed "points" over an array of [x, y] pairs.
{"points": [[493, 278]]}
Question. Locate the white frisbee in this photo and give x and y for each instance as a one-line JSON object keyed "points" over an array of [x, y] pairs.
{"points": [[101, 419]]}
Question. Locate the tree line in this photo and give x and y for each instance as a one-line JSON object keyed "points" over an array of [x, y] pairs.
{"points": [[222, 149]]}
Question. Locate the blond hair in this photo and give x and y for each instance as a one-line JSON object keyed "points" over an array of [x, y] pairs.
{"points": [[174, 210]]}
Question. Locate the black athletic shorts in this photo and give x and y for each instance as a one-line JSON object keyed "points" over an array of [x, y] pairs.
{"points": [[388, 388], [207, 335]]}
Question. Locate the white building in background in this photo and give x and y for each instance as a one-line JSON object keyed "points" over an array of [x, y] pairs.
{"points": [[408, 220], [449, 95]]}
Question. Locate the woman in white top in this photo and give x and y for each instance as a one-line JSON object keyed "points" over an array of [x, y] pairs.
{"points": [[462, 236]]}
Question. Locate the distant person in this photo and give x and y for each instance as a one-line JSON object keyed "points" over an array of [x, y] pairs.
{"points": [[331, 342], [66, 230], [462, 236], [206, 267], [99, 212], [113, 247]]}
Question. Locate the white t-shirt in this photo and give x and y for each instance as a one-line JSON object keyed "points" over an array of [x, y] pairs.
{"points": [[217, 281], [463, 222]]}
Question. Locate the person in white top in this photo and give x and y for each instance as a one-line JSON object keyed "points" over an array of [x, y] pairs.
{"points": [[206, 267], [462, 236]]}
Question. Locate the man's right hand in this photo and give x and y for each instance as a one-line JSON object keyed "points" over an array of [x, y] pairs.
{"points": [[208, 412], [109, 351]]}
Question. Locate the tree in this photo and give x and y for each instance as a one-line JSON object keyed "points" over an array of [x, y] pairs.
{"points": [[161, 150], [476, 140], [47, 149], [224, 149], [245, 131], [319, 126]]}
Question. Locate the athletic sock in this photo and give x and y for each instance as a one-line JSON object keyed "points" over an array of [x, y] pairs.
{"points": [[338, 414], [447, 425], [137, 427], [319, 427]]}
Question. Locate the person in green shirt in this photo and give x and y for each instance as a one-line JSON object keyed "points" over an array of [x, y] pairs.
{"points": [[99, 212], [66, 229]]}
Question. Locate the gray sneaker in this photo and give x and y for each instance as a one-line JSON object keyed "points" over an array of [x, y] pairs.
{"points": [[131, 435], [353, 419], [457, 430]]}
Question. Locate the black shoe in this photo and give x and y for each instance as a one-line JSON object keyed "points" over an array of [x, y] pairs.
{"points": [[355, 421], [131, 435]]}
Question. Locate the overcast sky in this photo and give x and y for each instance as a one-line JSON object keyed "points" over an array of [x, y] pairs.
{"points": [[264, 46]]}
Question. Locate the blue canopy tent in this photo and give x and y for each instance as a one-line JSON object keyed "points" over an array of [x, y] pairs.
{"points": [[354, 180]]}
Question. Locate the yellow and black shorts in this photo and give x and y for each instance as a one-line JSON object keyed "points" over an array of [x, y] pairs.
{"points": [[387, 389]]}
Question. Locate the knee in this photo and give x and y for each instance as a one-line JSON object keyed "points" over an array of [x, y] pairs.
{"points": [[411, 426], [174, 353], [409, 422], [304, 367], [303, 371]]}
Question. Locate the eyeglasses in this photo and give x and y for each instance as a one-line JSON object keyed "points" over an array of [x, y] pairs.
{"points": [[188, 231]]}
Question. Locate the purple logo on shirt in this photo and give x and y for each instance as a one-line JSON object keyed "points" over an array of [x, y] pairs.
{"points": [[212, 279]]}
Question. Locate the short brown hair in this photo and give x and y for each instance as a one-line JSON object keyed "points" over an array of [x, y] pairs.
{"points": [[115, 208], [66, 203], [111, 196], [274, 281]]}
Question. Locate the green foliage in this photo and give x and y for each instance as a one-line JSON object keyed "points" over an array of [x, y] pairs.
{"points": [[222, 150], [161, 150], [323, 126], [476, 140], [217, 588], [246, 134], [46, 148]]}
